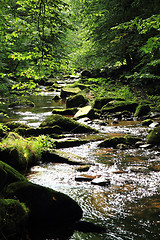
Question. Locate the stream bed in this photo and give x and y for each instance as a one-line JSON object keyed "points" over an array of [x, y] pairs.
{"points": [[129, 206]]}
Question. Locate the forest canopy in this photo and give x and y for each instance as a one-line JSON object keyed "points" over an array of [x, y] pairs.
{"points": [[42, 37]]}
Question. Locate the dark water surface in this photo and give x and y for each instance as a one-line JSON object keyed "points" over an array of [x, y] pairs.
{"points": [[128, 208]]}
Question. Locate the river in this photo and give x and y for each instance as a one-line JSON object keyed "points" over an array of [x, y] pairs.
{"points": [[129, 207]]}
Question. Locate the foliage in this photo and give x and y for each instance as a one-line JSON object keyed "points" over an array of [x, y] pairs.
{"points": [[31, 36], [102, 87], [28, 87], [29, 149], [118, 31]]}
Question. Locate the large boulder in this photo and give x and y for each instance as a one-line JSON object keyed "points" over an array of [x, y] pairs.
{"points": [[65, 112], [154, 136], [66, 124], [47, 207], [76, 101], [101, 101], [68, 91], [86, 111], [142, 110], [13, 219], [117, 106], [26, 132], [115, 141]]}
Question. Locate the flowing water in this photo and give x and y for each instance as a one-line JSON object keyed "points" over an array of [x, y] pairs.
{"points": [[129, 207]]}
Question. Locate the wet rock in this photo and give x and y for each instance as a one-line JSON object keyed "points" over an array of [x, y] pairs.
{"points": [[147, 122], [120, 172], [39, 131], [101, 181], [21, 103], [66, 124], [76, 101], [117, 106], [13, 219], [100, 102], [84, 168], [142, 110], [86, 178], [86, 112], [139, 143], [65, 143], [115, 121], [154, 136], [154, 124], [139, 169], [68, 91], [116, 141], [55, 156], [65, 112], [155, 115], [147, 146], [47, 207]]}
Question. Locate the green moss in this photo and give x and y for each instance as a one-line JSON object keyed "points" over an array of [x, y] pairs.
{"points": [[10, 174], [101, 101], [76, 101], [13, 219], [154, 136], [21, 153], [142, 109], [114, 141], [116, 106], [67, 91], [13, 125], [47, 207], [67, 124], [69, 112]]}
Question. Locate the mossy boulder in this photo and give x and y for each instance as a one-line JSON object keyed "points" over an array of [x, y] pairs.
{"points": [[21, 103], [65, 112], [116, 141], [9, 175], [47, 207], [68, 91], [66, 124], [76, 101], [26, 132], [154, 136], [14, 125], [18, 152], [101, 101], [142, 110], [86, 111], [13, 219], [117, 106]]}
